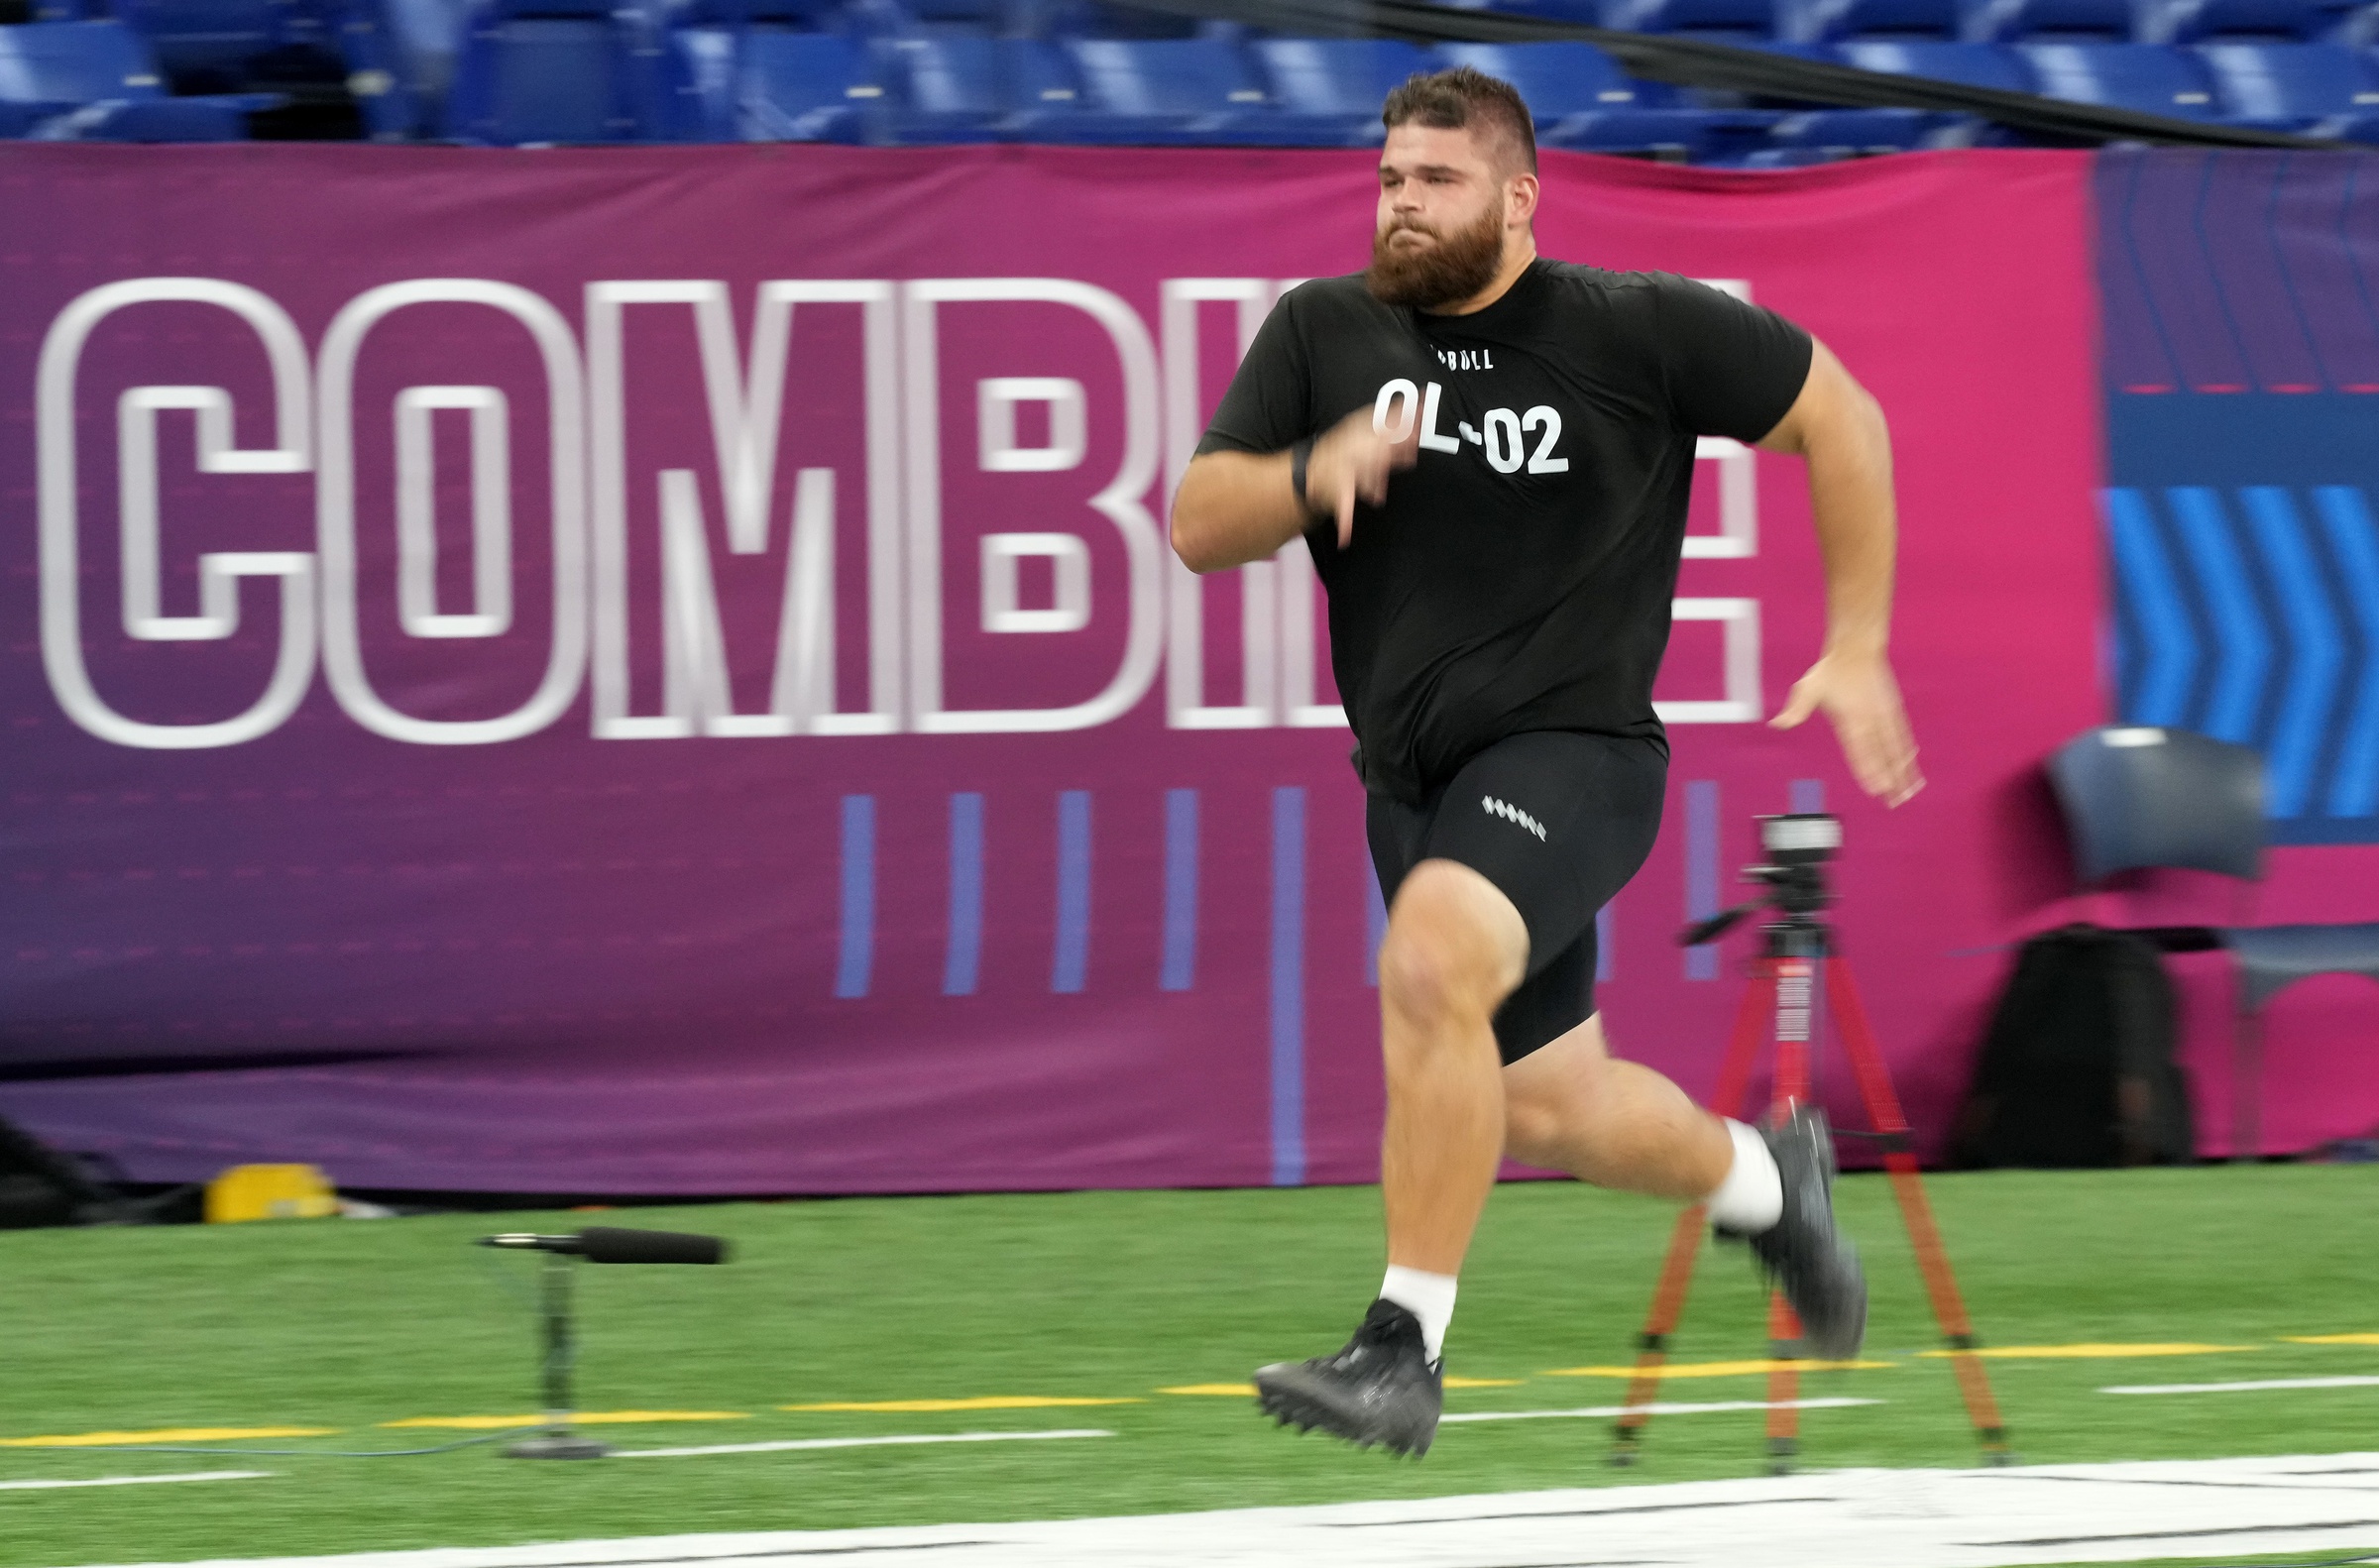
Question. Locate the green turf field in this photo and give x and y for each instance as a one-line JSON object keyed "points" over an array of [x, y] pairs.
{"points": [[348, 1326]]}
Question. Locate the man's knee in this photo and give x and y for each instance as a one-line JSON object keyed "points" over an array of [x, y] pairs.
{"points": [[1455, 946]]}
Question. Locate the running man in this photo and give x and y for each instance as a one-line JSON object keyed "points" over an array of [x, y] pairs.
{"points": [[1488, 454]]}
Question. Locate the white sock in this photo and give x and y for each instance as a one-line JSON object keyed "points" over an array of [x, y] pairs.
{"points": [[1751, 1198], [1427, 1297]]}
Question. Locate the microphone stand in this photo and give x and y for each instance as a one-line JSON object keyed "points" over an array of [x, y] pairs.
{"points": [[557, 1440]]}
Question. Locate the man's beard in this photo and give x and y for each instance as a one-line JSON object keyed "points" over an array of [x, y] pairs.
{"points": [[1458, 266]]}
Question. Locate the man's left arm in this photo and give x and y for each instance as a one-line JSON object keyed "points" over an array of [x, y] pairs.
{"points": [[1837, 430]]}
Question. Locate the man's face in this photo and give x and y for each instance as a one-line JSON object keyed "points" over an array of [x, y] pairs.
{"points": [[1442, 223]]}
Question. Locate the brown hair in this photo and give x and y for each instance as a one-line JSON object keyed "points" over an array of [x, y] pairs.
{"points": [[1450, 100]]}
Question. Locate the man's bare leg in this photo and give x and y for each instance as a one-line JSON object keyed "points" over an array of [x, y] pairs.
{"points": [[1572, 1106], [1455, 947]]}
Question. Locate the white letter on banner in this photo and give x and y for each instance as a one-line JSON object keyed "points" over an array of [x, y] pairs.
{"points": [[1741, 704], [1186, 705], [490, 612], [342, 642], [996, 398], [1069, 568], [746, 414], [219, 570], [1123, 502]]}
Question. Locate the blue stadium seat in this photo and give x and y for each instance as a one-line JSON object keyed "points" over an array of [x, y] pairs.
{"points": [[807, 87], [1174, 91], [1583, 101], [2272, 21], [1714, 21], [97, 81], [566, 70], [968, 86], [2326, 89], [1972, 64], [1829, 21], [1341, 79], [2051, 22], [2147, 77], [205, 45], [399, 60], [1848, 133]]}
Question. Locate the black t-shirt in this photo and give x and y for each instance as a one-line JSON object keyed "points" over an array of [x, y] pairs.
{"points": [[1520, 576]]}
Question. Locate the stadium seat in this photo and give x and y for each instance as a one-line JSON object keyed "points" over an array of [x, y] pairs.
{"points": [[807, 87], [969, 86], [1714, 21], [1972, 65], [2146, 78], [1831, 21], [1583, 101], [97, 81], [1339, 80], [2051, 22], [566, 70], [2325, 89], [2271, 21], [204, 45], [1176, 91]]}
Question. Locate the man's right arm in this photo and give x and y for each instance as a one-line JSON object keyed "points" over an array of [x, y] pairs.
{"points": [[1234, 507]]}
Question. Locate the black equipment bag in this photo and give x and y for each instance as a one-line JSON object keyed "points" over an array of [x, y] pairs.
{"points": [[2078, 1069], [39, 1186]]}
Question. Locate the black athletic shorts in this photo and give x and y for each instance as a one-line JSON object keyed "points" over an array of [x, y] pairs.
{"points": [[1558, 820]]}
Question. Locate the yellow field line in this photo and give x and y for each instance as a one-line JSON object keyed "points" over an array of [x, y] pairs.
{"points": [[1718, 1369], [165, 1434], [589, 1417], [2108, 1351], [993, 1401]]}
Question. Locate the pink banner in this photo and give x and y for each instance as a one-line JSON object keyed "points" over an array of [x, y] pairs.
{"points": [[658, 670]]}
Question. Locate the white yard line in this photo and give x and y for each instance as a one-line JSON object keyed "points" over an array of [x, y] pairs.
{"points": [[1852, 1519], [859, 1442], [138, 1481], [2243, 1388], [1659, 1407]]}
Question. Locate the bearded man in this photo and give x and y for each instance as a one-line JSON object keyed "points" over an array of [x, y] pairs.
{"points": [[1489, 453]]}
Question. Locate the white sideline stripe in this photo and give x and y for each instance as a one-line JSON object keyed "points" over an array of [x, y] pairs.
{"points": [[1666, 1408], [1845, 1519], [139, 1480], [2243, 1388], [859, 1442]]}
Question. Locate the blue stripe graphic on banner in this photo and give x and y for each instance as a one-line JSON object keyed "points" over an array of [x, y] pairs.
{"points": [[2239, 626], [857, 956], [1180, 970], [2160, 696], [1375, 920], [1288, 986], [2316, 650], [1603, 927], [2355, 777], [965, 956], [1808, 794], [1701, 871], [1069, 962]]}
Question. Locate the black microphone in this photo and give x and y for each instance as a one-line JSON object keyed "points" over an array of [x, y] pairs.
{"points": [[607, 1244]]}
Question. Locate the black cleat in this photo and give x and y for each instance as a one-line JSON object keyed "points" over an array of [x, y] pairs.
{"points": [[1812, 1262], [1380, 1389]]}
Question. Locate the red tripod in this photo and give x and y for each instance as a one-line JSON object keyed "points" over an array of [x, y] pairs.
{"points": [[1798, 965]]}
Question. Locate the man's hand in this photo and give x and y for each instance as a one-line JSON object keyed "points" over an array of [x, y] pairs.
{"points": [[1351, 461], [1858, 691]]}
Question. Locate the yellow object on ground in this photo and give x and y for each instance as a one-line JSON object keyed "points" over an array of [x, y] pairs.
{"points": [[1719, 1369], [2332, 1339], [992, 1401], [2086, 1352], [170, 1435], [1245, 1390], [577, 1419], [245, 1192], [1484, 1383]]}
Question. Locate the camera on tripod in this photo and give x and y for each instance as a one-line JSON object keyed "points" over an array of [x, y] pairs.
{"points": [[1797, 845]]}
